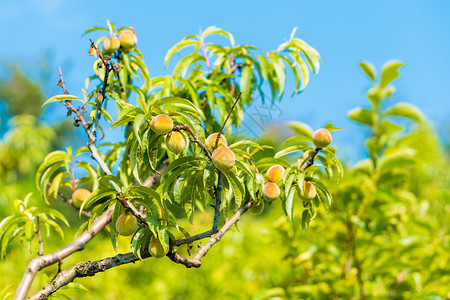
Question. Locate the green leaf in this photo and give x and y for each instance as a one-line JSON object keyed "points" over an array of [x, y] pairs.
{"points": [[292, 149], [214, 30], [368, 68], [49, 160], [398, 159], [61, 98], [362, 115], [182, 44], [177, 103], [300, 128], [237, 186], [246, 84], [265, 163], [280, 71], [290, 204], [145, 74], [95, 28], [390, 72], [95, 196], [407, 111], [181, 161]]}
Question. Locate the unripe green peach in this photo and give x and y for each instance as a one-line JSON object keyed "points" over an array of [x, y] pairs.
{"points": [[321, 138], [79, 196], [126, 224], [128, 40], [156, 249], [211, 141], [257, 208], [271, 191], [161, 124], [309, 191], [111, 44], [176, 142], [223, 159], [275, 173]]}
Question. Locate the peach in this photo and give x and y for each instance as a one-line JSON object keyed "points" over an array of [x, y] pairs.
{"points": [[211, 141], [128, 40], [111, 44], [156, 249], [176, 142], [79, 196], [223, 159], [126, 224], [309, 191], [161, 124], [257, 208], [321, 138], [275, 173], [271, 191]]}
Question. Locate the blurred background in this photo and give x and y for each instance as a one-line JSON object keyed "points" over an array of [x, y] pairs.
{"points": [[265, 257]]}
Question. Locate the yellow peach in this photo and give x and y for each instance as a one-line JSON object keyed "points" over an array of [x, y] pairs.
{"points": [[321, 138], [79, 196], [176, 142], [126, 224], [111, 44], [223, 159], [309, 191], [257, 208], [271, 191], [161, 124], [128, 40], [211, 141], [156, 249], [275, 173]]}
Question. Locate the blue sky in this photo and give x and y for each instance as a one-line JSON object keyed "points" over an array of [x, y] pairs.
{"points": [[344, 33]]}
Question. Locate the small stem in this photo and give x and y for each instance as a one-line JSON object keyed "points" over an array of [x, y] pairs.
{"points": [[41, 242], [127, 204], [218, 202], [195, 137], [193, 238], [310, 161], [205, 55], [62, 81], [225, 122], [72, 174]]}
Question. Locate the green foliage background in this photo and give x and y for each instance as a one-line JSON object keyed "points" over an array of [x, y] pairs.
{"points": [[386, 231]]}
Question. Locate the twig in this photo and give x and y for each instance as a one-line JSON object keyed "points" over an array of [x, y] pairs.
{"points": [[62, 81], [196, 261], [195, 137], [38, 263], [82, 269], [225, 122], [90, 268], [218, 202], [41, 242], [310, 161], [128, 205], [193, 238], [108, 68]]}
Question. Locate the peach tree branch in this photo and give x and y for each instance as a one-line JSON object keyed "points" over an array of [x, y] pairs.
{"points": [[90, 268]]}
